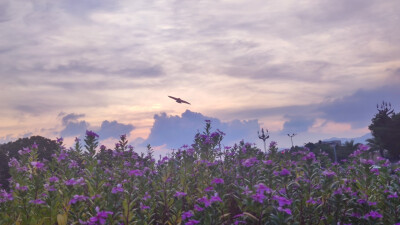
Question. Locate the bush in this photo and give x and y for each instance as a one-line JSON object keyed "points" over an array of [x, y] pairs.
{"points": [[204, 183]]}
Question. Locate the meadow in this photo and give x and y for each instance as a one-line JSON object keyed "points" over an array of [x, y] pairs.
{"points": [[204, 183]]}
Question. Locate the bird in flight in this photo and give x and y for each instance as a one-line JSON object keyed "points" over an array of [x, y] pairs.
{"points": [[178, 100]]}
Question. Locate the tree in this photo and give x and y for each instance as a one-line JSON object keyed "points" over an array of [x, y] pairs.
{"points": [[346, 149], [374, 146], [4, 174], [385, 129], [46, 148]]}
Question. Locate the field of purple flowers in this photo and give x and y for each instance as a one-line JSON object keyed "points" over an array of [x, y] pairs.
{"points": [[204, 183]]}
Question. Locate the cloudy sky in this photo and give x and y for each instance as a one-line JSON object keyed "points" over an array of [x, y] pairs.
{"points": [[316, 68]]}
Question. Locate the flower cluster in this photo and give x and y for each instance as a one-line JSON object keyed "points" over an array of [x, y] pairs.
{"points": [[203, 183]]}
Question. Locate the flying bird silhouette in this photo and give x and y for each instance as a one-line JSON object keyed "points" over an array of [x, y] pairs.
{"points": [[178, 100]]}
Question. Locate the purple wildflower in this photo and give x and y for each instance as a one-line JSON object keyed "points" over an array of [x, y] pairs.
{"points": [[117, 189], [205, 201], [63, 155], [282, 201], [144, 207], [179, 194], [261, 188], [103, 148], [215, 198], [37, 201], [101, 217], [59, 140], [367, 161], [311, 201], [362, 201], [21, 188], [192, 222], [95, 196], [272, 144], [250, 162], [394, 195], [267, 162], [187, 215], [24, 151], [217, 181], [53, 179], [137, 173], [91, 134], [35, 145], [328, 173], [282, 191], [309, 156], [78, 198], [208, 189], [5, 197], [198, 208], [259, 197], [338, 191], [13, 163], [70, 182], [373, 215], [22, 169], [73, 164], [49, 187], [286, 210], [284, 172], [363, 147], [37, 165], [375, 171], [238, 215], [246, 191], [146, 196]]}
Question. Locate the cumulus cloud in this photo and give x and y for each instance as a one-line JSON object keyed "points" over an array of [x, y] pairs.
{"points": [[359, 108], [108, 129], [175, 131], [71, 125], [356, 109], [297, 124], [27, 134], [77, 129], [7, 139], [72, 117], [113, 129]]}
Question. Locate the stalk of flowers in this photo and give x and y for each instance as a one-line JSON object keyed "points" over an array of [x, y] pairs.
{"points": [[244, 186]]}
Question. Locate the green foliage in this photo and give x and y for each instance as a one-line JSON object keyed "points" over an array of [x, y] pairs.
{"points": [[202, 183], [385, 128], [46, 148]]}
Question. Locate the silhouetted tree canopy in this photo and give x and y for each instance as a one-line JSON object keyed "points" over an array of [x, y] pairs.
{"points": [[46, 148], [4, 170], [385, 128]]}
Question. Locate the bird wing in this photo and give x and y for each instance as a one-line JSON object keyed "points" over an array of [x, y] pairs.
{"points": [[183, 101], [173, 97]]}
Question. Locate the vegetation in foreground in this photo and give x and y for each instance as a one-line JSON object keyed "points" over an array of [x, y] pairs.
{"points": [[199, 184]]}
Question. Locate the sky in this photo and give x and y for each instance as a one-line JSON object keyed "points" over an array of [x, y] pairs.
{"points": [[313, 68]]}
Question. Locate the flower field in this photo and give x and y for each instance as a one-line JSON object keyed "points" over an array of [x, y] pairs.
{"points": [[204, 183]]}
